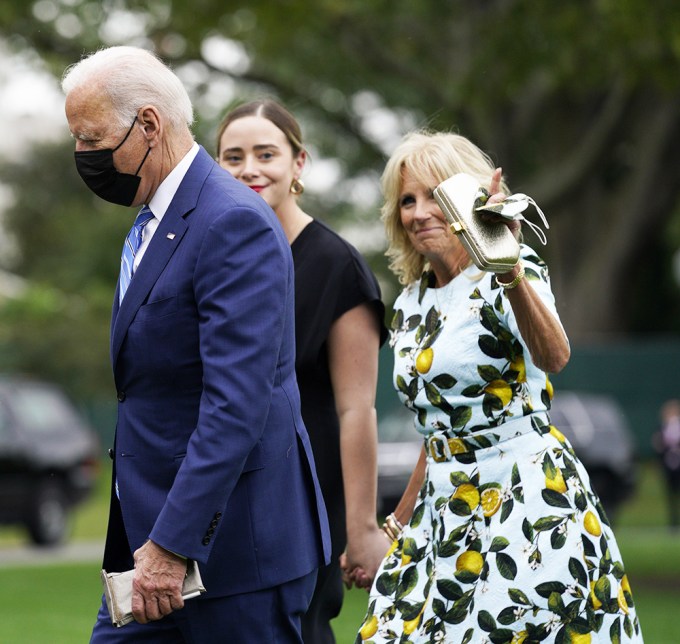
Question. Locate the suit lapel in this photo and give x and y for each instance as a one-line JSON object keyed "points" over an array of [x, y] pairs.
{"points": [[163, 244]]}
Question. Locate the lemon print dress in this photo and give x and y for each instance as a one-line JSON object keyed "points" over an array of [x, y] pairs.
{"points": [[508, 543]]}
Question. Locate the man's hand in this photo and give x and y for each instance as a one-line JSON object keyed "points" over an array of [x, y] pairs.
{"points": [[157, 586]]}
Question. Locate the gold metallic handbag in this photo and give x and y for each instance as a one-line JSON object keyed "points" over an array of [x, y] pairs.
{"points": [[118, 591], [491, 246]]}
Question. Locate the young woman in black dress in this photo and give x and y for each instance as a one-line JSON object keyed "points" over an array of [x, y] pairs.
{"points": [[339, 326]]}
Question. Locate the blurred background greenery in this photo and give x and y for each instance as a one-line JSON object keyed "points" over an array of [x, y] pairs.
{"points": [[578, 101]]}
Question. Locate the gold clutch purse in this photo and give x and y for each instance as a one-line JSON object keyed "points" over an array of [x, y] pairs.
{"points": [[491, 246], [118, 591]]}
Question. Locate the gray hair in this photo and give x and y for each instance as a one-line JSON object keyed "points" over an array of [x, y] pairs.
{"points": [[132, 77]]}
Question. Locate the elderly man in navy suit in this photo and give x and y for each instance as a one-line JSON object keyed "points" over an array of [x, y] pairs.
{"points": [[212, 462]]}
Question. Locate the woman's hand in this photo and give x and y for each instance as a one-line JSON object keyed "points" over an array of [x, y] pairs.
{"points": [[545, 338], [363, 557], [497, 197]]}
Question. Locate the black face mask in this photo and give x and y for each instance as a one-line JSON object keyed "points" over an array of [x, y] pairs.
{"points": [[100, 175]]}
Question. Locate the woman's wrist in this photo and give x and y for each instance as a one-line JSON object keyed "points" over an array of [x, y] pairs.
{"points": [[392, 527], [358, 525], [512, 278]]}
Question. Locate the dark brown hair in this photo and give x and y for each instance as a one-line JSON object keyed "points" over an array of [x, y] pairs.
{"points": [[272, 111]]}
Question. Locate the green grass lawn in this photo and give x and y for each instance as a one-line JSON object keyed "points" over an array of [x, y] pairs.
{"points": [[57, 603], [50, 604]]}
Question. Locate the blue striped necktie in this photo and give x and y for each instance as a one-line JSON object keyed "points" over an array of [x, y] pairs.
{"points": [[132, 243]]}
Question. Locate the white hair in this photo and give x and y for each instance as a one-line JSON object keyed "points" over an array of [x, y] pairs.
{"points": [[132, 77]]}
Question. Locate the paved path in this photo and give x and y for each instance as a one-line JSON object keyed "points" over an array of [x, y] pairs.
{"points": [[77, 551]]}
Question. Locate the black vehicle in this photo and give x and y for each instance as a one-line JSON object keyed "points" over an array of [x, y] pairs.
{"points": [[594, 424], [399, 446], [49, 459]]}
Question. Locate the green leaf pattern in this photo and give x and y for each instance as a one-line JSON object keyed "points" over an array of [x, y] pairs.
{"points": [[508, 543]]}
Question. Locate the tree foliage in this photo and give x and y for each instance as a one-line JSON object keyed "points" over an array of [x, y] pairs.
{"points": [[578, 101], [69, 253]]}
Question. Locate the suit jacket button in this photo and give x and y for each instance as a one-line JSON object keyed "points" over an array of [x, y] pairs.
{"points": [[121, 396], [111, 453], [206, 541], [213, 523], [218, 515]]}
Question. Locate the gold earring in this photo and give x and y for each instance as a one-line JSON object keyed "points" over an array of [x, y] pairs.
{"points": [[297, 187]]}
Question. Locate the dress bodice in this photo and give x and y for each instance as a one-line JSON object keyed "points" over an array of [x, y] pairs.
{"points": [[460, 361]]}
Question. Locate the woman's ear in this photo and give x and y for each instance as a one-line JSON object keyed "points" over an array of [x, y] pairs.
{"points": [[300, 160]]}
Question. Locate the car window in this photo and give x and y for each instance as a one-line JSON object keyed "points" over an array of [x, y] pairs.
{"points": [[41, 410]]}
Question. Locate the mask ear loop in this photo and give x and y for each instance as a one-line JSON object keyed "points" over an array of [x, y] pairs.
{"points": [[148, 150], [128, 134]]}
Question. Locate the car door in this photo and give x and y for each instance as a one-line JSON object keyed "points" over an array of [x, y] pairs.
{"points": [[14, 474]]}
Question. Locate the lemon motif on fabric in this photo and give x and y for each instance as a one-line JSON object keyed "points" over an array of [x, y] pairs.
{"points": [[556, 482], [625, 584], [623, 590], [469, 566], [556, 433], [501, 390], [468, 493], [579, 638], [518, 365], [623, 604], [411, 624], [549, 387], [457, 446], [592, 524], [392, 548], [597, 604], [369, 628], [424, 360], [490, 501]]}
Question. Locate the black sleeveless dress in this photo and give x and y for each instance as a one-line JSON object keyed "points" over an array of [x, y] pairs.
{"points": [[331, 278]]}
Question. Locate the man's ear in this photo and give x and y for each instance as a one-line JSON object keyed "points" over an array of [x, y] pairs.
{"points": [[151, 123]]}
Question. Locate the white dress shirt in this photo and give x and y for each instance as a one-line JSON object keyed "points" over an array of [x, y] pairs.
{"points": [[161, 200]]}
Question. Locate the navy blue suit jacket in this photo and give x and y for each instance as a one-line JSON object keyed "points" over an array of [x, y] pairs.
{"points": [[211, 455]]}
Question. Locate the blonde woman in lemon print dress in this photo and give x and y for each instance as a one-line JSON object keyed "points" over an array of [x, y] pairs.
{"points": [[503, 538]]}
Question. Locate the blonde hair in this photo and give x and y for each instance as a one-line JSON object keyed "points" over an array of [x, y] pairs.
{"points": [[429, 158]]}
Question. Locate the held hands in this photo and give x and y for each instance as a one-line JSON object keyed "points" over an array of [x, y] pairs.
{"points": [[157, 586], [362, 557]]}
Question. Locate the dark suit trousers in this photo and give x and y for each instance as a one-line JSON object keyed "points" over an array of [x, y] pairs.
{"points": [[270, 616]]}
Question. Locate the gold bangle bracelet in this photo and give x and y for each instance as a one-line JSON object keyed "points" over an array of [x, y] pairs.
{"points": [[518, 278], [392, 527], [393, 517], [389, 533]]}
